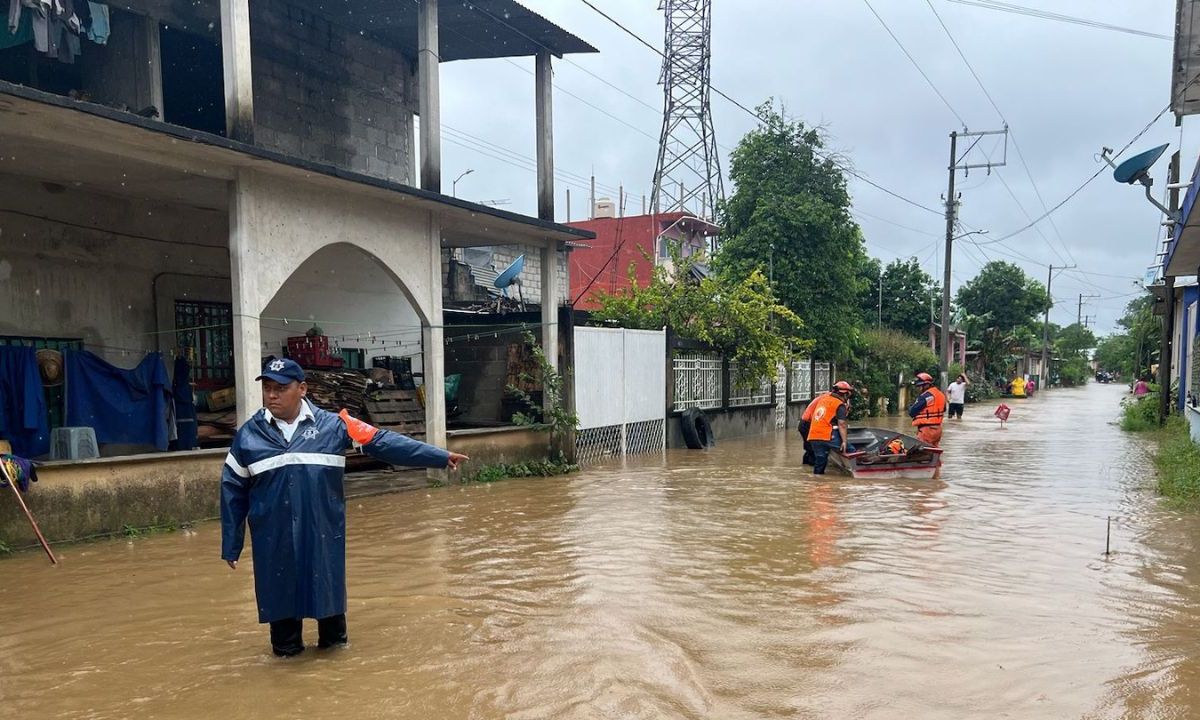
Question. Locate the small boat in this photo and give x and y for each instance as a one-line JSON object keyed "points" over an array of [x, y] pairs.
{"points": [[915, 460]]}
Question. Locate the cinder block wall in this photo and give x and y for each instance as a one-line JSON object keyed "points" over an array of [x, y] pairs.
{"points": [[328, 95], [531, 276], [321, 92]]}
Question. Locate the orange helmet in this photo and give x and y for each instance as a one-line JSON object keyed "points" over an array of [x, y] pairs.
{"points": [[843, 386], [924, 379]]}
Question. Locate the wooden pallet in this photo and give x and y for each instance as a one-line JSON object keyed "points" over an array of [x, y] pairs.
{"points": [[397, 410]]}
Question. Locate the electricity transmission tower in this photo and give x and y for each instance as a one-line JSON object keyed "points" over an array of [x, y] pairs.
{"points": [[687, 176]]}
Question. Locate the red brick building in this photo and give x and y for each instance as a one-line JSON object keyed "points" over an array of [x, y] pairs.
{"points": [[639, 241]]}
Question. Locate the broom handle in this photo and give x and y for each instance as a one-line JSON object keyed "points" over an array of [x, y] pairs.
{"points": [[12, 483]]}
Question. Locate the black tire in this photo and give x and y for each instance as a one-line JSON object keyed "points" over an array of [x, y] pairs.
{"points": [[697, 433]]}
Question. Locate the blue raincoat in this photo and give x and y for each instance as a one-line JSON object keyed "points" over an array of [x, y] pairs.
{"points": [[292, 496]]}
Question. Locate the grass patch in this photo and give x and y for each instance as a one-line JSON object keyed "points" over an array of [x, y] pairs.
{"points": [[1140, 415], [1177, 460], [542, 468]]}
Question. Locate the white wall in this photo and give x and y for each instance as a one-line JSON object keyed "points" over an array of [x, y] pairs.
{"points": [[347, 293]]}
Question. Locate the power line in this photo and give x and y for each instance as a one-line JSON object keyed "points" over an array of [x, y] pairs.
{"points": [[1058, 17], [913, 60], [1016, 146], [1087, 182], [841, 166]]}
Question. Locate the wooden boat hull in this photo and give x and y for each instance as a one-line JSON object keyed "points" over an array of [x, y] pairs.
{"points": [[918, 461]]}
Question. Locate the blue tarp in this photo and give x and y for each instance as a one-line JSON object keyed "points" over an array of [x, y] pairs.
{"points": [[122, 406], [24, 421]]}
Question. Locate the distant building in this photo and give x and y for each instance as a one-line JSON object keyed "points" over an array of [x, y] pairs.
{"points": [[640, 242]]}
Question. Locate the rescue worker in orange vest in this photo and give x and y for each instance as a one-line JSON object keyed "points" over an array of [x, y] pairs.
{"points": [[929, 409], [827, 427], [805, 425]]}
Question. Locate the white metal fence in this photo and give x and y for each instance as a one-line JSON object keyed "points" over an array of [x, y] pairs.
{"points": [[697, 380], [823, 376], [801, 380], [620, 387], [753, 395], [781, 376]]}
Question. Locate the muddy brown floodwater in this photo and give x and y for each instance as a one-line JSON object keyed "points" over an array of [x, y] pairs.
{"points": [[726, 584]]}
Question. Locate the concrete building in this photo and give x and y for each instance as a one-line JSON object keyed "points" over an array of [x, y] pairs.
{"points": [[639, 242], [256, 165]]}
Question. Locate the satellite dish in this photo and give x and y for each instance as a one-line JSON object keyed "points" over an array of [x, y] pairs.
{"points": [[1134, 168], [510, 274]]}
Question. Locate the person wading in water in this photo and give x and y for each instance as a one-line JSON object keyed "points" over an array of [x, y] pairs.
{"points": [[928, 411], [284, 474], [827, 428]]}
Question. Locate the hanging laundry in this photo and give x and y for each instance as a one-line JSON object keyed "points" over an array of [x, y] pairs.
{"points": [[185, 406], [97, 29], [121, 406], [19, 469], [24, 420], [17, 31]]}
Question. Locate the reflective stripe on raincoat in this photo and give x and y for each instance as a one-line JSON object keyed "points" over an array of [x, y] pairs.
{"points": [[292, 496]]}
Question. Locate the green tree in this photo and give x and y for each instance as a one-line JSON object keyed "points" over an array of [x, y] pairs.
{"points": [[790, 209], [1003, 296], [739, 316], [907, 290], [884, 356], [1072, 344], [1132, 351]]}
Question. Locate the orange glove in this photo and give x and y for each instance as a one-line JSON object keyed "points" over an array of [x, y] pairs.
{"points": [[360, 432]]}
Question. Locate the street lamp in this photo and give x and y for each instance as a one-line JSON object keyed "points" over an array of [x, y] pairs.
{"points": [[454, 185]]}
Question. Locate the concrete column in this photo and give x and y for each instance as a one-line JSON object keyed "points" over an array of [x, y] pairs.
{"points": [[544, 93], [962, 351], [433, 339], [235, 53], [153, 64], [429, 97], [550, 303], [244, 257]]}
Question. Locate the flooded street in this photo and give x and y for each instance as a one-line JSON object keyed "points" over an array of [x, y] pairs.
{"points": [[727, 584]]}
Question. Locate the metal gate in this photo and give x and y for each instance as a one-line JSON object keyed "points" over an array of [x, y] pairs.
{"points": [[620, 388]]}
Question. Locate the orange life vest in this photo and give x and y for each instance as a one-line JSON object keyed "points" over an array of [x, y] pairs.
{"points": [[824, 417], [812, 407], [934, 410]]}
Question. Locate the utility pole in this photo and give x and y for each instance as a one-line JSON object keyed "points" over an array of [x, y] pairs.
{"points": [[880, 322], [1045, 379], [956, 164], [951, 221], [1079, 309]]}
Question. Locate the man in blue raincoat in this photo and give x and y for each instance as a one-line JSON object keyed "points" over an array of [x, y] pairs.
{"points": [[284, 475]]}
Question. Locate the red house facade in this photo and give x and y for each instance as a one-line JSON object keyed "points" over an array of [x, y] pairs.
{"points": [[639, 241]]}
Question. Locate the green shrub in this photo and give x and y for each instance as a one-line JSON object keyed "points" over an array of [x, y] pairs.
{"points": [[1140, 415], [542, 468], [1178, 462]]}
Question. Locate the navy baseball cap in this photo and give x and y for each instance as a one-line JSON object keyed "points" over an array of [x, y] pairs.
{"points": [[283, 371]]}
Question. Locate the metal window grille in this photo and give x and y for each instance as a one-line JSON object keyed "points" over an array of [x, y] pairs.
{"points": [[801, 381], [594, 445], [824, 376], [697, 380], [204, 334], [754, 395]]}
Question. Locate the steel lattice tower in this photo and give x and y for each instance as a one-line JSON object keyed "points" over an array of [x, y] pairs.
{"points": [[687, 176]]}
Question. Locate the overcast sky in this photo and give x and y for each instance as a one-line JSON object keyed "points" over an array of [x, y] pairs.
{"points": [[1066, 91]]}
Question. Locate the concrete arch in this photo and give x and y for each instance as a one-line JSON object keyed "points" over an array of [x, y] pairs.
{"points": [[291, 222], [277, 223]]}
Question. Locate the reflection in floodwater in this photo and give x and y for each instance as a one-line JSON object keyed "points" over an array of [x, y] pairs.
{"points": [[724, 584]]}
